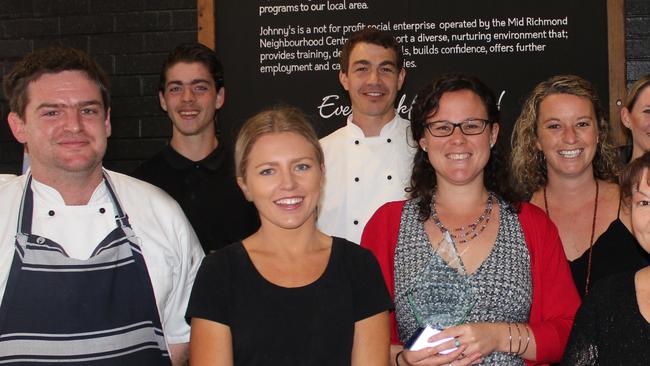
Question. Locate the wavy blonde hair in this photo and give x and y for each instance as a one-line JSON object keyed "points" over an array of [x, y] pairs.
{"points": [[528, 166]]}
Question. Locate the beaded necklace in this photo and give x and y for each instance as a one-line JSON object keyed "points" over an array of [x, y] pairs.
{"points": [[593, 231], [464, 234]]}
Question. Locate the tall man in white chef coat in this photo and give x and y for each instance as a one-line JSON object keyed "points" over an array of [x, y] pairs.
{"points": [[96, 267], [368, 161]]}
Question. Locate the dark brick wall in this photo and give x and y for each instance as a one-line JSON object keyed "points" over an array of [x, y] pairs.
{"points": [[129, 38], [637, 35]]}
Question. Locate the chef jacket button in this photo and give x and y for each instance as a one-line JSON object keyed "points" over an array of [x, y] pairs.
{"points": [[102, 210], [51, 213], [356, 179], [356, 142], [40, 240], [389, 177], [389, 140], [356, 222]]}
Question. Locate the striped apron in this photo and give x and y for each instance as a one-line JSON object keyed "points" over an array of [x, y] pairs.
{"points": [[59, 310]]}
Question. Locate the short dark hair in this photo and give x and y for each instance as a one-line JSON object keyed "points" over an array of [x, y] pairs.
{"points": [[423, 178], [51, 60], [631, 176], [373, 36], [193, 52]]}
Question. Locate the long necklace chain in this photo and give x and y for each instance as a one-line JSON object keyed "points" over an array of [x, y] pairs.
{"points": [[463, 234], [591, 239]]}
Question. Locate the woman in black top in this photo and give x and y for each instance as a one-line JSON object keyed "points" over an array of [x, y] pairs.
{"points": [[288, 294], [564, 162], [612, 326]]}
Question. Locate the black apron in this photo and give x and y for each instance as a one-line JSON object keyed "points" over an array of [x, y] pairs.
{"points": [[60, 310]]}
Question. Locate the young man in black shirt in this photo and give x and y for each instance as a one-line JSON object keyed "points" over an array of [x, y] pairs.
{"points": [[196, 169]]}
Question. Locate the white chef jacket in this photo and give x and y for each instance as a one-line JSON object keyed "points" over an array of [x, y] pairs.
{"points": [[169, 245], [362, 173]]}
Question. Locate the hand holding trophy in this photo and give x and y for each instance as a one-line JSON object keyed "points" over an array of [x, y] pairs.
{"points": [[444, 301]]}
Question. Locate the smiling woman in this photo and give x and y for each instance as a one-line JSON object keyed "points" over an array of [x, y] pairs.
{"points": [[460, 234], [283, 176], [564, 162], [288, 294]]}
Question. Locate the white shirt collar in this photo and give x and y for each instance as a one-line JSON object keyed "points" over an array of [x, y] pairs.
{"points": [[51, 197], [388, 130]]}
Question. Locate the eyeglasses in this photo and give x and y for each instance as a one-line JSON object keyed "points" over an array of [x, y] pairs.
{"points": [[472, 126]]}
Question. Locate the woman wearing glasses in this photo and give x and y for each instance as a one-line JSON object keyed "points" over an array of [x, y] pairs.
{"points": [[508, 254], [563, 161]]}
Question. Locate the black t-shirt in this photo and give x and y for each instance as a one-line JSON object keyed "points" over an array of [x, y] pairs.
{"points": [[609, 328], [273, 325], [207, 192]]}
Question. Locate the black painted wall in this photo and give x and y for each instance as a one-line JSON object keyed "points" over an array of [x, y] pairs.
{"points": [[130, 38]]}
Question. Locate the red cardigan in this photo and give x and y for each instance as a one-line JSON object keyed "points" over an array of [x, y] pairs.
{"points": [[555, 299]]}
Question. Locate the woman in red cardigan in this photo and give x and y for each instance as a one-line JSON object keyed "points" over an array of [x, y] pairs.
{"points": [[509, 254]]}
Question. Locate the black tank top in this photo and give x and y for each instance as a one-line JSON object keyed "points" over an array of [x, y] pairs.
{"points": [[615, 251]]}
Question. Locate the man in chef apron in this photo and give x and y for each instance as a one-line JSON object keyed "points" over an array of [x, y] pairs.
{"points": [[368, 161], [95, 267]]}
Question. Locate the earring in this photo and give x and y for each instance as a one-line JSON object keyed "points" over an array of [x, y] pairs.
{"points": [[424, 148], [491, 145]]}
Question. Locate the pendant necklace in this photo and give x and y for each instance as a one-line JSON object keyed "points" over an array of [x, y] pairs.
{"points": [[593, 231]]}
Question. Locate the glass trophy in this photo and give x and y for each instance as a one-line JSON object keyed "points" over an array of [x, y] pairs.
{"points": [[442, 298]]}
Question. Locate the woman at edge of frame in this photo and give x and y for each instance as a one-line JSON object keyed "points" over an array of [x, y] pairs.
{"points": [[635, 116], [612, 326]]}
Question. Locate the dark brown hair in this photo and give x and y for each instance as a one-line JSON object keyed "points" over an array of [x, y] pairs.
{"points": [[423, 178], [631, 176], [372, 36], [193, 52], [51, 60]]}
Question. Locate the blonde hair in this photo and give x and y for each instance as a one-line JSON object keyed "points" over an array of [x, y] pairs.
{"points": [[527, 162], [274, 120], [635, 90]]}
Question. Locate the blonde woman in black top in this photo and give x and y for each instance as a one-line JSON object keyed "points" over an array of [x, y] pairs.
{"points": [[288, 294]]}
